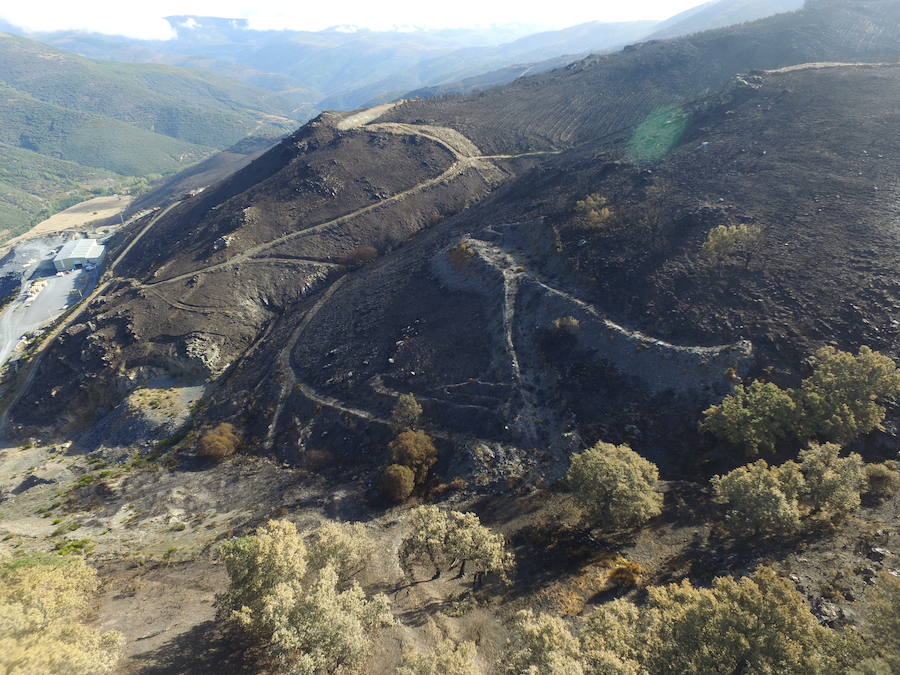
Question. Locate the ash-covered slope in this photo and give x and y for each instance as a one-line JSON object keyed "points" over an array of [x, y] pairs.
{"points": [[469, 202], [602, 95]]}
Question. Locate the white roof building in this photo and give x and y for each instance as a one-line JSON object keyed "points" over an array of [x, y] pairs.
{"points": [[78, 253]]}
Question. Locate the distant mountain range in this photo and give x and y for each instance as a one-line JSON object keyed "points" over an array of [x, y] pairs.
{"points": [[580, 41], [339, 68]]}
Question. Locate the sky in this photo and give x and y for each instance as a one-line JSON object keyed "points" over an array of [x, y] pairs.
{"points": [[143, 18]]}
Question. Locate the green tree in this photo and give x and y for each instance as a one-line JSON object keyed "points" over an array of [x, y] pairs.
{"points": [[754, 418], [440, 537], [831, 483], [725, 243], [344, 546], [758, 624], [256, 564], [540, 645], [760, 499], [447, 658], [407, 413], [44, 604], [318, 628], [311, 619], [770, 500], [841, 398], [614, 486], [882, 621]]}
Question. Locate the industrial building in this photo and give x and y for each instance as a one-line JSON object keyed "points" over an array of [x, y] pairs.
{"points": [[79, 253]]}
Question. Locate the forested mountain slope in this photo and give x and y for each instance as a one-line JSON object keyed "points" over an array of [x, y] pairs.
{"points": [[113, 121]]}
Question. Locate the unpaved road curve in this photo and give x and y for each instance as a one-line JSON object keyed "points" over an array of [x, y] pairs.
{"points": [[283, 366], [363, 117], [455, 169], [467, 156]]}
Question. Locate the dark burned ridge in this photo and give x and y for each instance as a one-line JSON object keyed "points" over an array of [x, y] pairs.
{"points": [[246, 284]]}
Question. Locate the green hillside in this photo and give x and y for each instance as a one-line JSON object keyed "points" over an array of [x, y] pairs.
{"points": [[33, 186], [89, 139], [196, 107], [70, 125]]}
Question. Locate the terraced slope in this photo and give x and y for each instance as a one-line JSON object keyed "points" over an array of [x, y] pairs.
{"points": [[258, 285]]}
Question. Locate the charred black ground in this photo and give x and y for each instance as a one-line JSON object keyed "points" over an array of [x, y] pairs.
{"points": [[252, 286]]}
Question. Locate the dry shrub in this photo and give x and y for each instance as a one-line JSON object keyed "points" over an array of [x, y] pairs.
{"points": [[595, 210], [564, 331], [566, 324], [460, 256], [725, 243], [220, 442], [397, 483], [569, 603], [626, 574], [317, 460], [454, 485], [883, 480], [416, 450], [361, 255]]}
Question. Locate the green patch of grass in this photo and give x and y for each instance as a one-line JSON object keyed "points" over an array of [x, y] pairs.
{"points": [[21, 560], [658, 134], [69, 546], [68, 527]]}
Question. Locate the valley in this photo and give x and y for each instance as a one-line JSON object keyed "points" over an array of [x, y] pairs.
{"points": [[590, 371]]}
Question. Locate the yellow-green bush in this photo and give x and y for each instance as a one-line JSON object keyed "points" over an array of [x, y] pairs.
{"points": [[725, 243], [407, 414], [44, 601], [839, 401], [614, 486], [299, 602], [595, 210]]}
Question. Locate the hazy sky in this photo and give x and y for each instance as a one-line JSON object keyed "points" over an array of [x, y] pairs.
{"points": [[143, 18]]}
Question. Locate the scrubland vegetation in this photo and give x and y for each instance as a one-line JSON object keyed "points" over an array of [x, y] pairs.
{"points": [[297, 600], [322, 599], [45, 606], [839, 401]]}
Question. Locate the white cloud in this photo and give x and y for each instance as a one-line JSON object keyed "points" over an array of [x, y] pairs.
{"points": [[143, 19]]}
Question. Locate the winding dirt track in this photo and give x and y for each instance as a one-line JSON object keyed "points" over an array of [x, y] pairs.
{"points": [[462, 163], [467, 155]]}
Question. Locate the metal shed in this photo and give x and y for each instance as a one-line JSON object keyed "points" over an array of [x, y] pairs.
{"points": [[78, 253]]}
